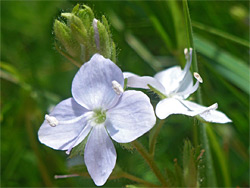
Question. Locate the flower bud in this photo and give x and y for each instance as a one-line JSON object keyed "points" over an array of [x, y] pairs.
{"points": [[82, 35], [65, 38], [105, 46]]}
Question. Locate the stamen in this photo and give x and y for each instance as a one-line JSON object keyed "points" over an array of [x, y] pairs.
{"points": [[97, 39], [198, 77], [190, 90], [75, 141], [185, 71], [189, 60], [194, 88], [66, 176], [117, 87], [51, 120]]}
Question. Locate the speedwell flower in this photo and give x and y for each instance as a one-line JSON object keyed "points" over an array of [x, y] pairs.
{"points": [[174, 85], [99, 109]]}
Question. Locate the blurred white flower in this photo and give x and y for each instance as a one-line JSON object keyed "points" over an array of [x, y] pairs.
{"points": [[174, 86]]}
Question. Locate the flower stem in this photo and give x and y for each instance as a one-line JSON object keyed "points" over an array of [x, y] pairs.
{"points": [[67, 56], [148, 158], [121, 174], [161, 95], [133, 178], [153, 139]]}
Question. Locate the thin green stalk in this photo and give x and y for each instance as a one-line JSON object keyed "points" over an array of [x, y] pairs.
{"points": [[209, 179], [147, 157], [220, 156], [220, 33], [133, 178], [111, 177], [33, 142], [153, 140], [67, 56]]}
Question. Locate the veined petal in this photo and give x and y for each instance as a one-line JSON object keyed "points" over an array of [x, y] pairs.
{"points": [[170, 106], [132, 117], [212, 115], [99, 155], [71, 122], [92, 85], [136, 81], [171, 79]]}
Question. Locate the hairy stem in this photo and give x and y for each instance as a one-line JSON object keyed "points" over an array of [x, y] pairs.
{"points": [[67, 56], [153, 140], [133, 178], [148, 158]]}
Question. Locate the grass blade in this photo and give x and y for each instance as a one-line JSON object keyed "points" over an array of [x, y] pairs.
{"points": [[220, 33], [208, 173]]}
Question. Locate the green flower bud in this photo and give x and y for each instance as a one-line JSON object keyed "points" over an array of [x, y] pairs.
{"points": [[83, 35], [78, 30], [86, 15], [105, 47], [65, 38]]}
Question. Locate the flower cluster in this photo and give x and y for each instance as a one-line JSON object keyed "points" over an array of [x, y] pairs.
{"points": [[100, 109]]}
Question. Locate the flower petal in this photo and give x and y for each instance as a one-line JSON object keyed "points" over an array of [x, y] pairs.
{"points": [[170, 106], [213, 116], [99, 155], [131, 117], [171, 79], [92, 85], [63, 135], [136, 81]]}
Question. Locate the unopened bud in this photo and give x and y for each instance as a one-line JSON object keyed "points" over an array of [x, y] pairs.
{"points": [[105, 46], [64, 36], [83, 36]]}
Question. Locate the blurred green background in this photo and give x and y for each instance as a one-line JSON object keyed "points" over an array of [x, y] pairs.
{"points": [[150, 36]]}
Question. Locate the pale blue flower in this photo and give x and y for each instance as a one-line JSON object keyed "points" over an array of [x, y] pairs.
{"points": [[99, 109], [176, 85]]}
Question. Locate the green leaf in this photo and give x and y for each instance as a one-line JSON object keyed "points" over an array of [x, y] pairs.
{"points": [[220, 33], [142, 51], [232, 68], [189, 165], [220, 156]]}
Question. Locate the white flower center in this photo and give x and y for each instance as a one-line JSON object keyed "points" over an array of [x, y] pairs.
{"points": [[117, 87], [99, 116]]}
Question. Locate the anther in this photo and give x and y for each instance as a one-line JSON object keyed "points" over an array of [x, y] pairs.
{"points": [[186, 53], [51, 120], [198, 77], [117, 87]]}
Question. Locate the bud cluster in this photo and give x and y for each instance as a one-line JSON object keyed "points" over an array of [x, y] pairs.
{"points": [[81, 35]]}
